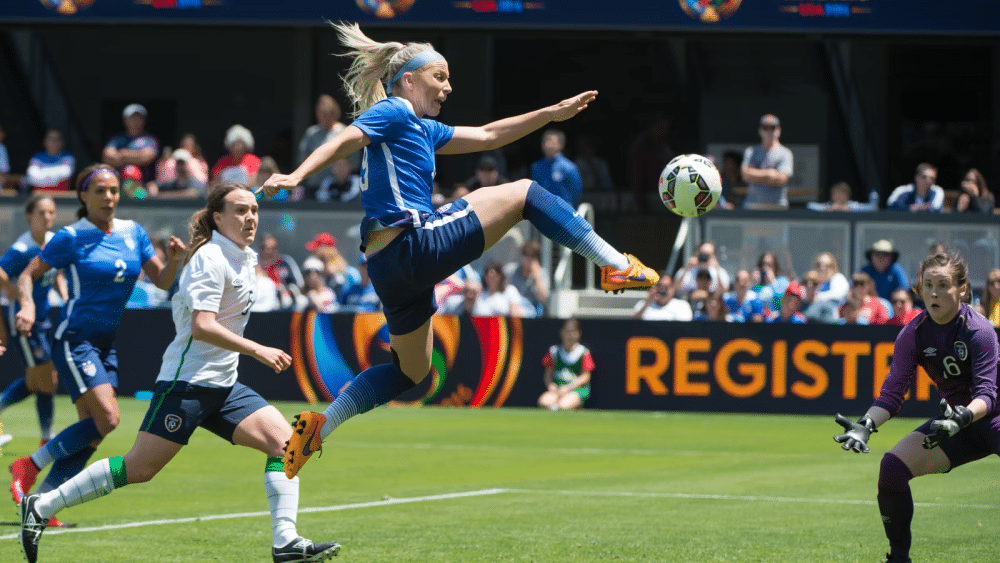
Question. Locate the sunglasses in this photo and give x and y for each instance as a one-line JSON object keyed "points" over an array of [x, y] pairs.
{"points": [[899, 301]]}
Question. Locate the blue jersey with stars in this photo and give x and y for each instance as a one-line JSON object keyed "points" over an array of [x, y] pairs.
{"points": [[17, 259], [101, 270], [397, 167]]}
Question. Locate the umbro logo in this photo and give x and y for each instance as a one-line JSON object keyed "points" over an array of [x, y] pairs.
{"points": [[930, 351]]}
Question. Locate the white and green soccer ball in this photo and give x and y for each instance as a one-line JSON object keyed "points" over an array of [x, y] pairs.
{"points": [[690, 185]]}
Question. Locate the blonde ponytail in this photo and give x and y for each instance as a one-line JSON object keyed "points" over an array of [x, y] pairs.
{"points": [[374, 64]]}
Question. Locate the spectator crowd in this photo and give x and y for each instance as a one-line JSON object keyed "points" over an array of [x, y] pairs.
{"points": [[327, 281]]}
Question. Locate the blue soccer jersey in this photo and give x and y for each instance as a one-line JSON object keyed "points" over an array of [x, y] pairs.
{"points": [[397, 168], [102, 269], [17, 259]]}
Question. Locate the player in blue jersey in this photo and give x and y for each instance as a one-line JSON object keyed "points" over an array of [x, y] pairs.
{"points": [[36, 347], [197, 385], [958, 349], [410, 245], [101, 256]]}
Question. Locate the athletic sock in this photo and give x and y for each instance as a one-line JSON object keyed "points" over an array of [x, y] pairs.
{"points": [[96, 481], [283, 500], [557, 220], [65, 468], [14, 393], [72, 439], [895, 503], [43, 404], [373, 387]]}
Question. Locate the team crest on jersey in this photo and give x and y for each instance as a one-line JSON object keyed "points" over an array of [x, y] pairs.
{"points": [[129, 242], [172, 423], [38, 352], [961, 350], [89, 368]]}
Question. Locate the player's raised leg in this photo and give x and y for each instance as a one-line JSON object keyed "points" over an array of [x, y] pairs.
{"points": [[499, 208]]}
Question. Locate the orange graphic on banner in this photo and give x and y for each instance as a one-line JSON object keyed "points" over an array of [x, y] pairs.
{"points": [[298, 361], [514, 364]]}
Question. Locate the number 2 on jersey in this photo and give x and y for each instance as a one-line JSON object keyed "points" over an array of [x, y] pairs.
{"points": [[122, 266]]}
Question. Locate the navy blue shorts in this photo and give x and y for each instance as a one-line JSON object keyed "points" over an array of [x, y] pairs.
{"points": [[405, 272], [83, 366], [178, 408], [36, 348], [976, 441]]}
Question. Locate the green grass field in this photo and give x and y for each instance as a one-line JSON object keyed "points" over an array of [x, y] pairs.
{"points": [[462, 485]]}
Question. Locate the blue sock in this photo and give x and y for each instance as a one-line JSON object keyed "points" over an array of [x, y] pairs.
{"points": [[43, 404], [71, 440], [555, 219], [65, 468], [14, 393], [373, 387]]}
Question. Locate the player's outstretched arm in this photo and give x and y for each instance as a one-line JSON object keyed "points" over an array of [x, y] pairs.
{"points": [[350, 140], [954, 420], [508, 130]]}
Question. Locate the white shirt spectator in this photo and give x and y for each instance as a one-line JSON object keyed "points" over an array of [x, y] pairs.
{"points": [[497, 304], [834, 290], [675, 310], [266, 298]]}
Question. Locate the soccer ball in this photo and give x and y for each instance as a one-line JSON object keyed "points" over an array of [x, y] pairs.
{"points": [[690, 185]]}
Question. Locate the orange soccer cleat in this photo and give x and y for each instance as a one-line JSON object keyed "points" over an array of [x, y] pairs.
{"points": [[304, 442], [636, 275]]}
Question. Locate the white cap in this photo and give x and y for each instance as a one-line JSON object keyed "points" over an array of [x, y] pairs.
{"points": [[181, 154], [313, 264], [133, 108]]}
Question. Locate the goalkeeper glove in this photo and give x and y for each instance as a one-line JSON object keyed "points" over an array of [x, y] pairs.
{"points": [[954, 420], [856, 434]]}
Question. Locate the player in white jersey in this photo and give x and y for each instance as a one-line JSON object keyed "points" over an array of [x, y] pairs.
{"points": [[36, 348], [410, 246], [102, 257], [197, 384]]}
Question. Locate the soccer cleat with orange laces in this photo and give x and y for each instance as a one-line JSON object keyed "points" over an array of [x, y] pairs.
{"points": [[22, 477], [636, 275], [304, 442]]}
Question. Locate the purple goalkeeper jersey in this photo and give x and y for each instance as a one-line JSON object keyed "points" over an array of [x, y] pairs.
{"points": [[960, 357]]}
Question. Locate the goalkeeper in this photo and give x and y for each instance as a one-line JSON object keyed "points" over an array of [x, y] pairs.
{"points": [[958, 349]]}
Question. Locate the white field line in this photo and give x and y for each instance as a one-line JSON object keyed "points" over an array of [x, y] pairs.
{"points": [[486, 492], [745, 498], [387, 502]]}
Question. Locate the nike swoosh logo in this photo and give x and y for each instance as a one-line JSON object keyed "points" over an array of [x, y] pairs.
{"points": [[640, 277], [305, 449]]}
